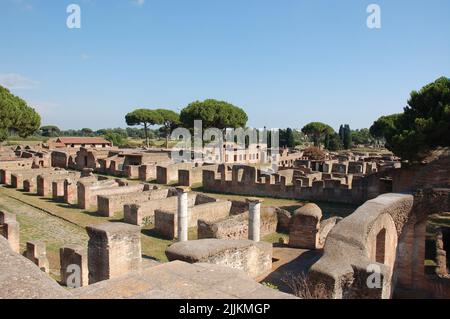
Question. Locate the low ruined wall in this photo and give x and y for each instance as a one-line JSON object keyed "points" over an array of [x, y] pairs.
{"points": [[144, 212], [166, 174], [44, 182], [131, 171], [236, 227], [255, 258], [113, 199], [6, 167], [60, 159], [244, 182], [189, 177], [87, 192], [17, 177], [115, 203], [166, 223], [147, 172], [70, 186]]}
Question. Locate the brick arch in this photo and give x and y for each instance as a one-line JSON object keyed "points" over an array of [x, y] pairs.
{"points": [[381, 241], [351, 248]]}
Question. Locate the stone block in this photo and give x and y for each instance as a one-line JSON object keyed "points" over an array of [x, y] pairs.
{"points": [[74, 262], [37, 253], [114, 249], [304, 227], [254, 258]]}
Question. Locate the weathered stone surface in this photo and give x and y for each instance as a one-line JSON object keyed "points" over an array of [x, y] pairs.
{"points": [[367, 237], [21, 279], [110, 204], [144, 211], [88, 190], [70, 256], [166, 222], [236, 226], [113, 250], [325, 227], [10, 229], [112, 201], [180, 280], [37, 253], [304, 227], [255, 258]]}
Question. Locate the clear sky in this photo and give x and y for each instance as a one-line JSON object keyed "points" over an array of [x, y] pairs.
{"points": [[286, 62]]}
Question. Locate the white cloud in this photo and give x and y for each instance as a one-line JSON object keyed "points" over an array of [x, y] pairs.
{"points": [[139, 2], [84, 56], [23, 4], [17, 81]]}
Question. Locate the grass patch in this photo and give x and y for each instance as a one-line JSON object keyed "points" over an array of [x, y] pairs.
{"points": [[328, 209], [152, 246], [275, 238]]}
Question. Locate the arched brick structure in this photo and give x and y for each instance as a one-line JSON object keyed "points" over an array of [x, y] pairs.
{"points": [[396, 222], [351, 248]]}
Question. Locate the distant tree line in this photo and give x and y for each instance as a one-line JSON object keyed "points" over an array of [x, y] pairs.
{"points": [[118, 136], [423, 126]]}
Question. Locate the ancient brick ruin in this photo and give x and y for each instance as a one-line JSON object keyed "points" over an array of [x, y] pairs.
{"points": [[147, 194]]}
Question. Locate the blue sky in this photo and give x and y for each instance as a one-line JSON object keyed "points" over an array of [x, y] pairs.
{"points": [[285, 62]]}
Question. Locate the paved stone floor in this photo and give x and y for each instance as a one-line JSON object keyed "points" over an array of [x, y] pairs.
{"points": [[180, 280], [36, 224], [287, 261]]}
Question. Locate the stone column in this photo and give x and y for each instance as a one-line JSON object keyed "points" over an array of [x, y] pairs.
{"points": [[254, 219], [182, 214]]}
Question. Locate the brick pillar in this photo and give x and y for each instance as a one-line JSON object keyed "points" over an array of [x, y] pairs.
{"points": [[70, 192], [74, 266], [182, 229], [114, 249], [83, 196], [37, 253], [254, 219], [418, 271], [9, 228], [405, 257], [304, 227], [57, 189], [42, 189]]}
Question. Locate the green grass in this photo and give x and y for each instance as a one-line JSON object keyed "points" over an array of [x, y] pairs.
{"points": [[275, 238], [328, 209], [136, 142], [152, 245]]}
